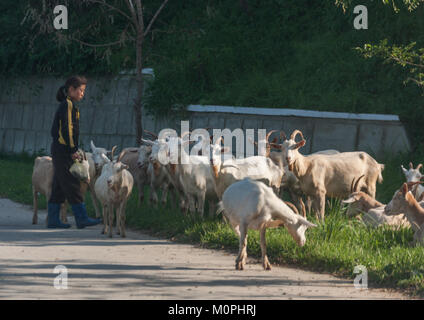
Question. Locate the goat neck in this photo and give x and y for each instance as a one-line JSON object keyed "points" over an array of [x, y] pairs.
{"points": [[300, 165], [413, 209]]}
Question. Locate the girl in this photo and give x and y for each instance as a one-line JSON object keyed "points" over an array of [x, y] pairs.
{"points": [[65, 133]]}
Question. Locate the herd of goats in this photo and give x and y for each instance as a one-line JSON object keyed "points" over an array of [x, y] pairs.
{"points": [[248, 191]]}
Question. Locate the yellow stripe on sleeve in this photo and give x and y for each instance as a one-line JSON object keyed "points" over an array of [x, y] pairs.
{"points": [[70, 125]]}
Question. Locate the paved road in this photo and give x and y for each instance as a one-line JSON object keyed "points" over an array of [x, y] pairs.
{"points": [[142, 267]]}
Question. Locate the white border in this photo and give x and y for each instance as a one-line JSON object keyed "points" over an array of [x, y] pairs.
{"points": [[293, 112]]}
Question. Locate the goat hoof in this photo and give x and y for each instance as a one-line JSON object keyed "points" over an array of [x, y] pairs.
{"points": [[239, 266], [267, 266]]}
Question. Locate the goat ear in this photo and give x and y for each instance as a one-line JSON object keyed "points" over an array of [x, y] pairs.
{"points": [[146, 142], [403, 169], [306, 222], [93, 147], [276, 146], [299, 144], [349, 200], [405, 189]]}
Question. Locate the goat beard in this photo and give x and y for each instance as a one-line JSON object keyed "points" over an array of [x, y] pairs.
{"points": [[291, 165], [215, 171], [173, 168], [156, 168]]}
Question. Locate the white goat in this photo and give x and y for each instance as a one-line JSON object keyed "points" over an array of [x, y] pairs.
{"points": [[250, 204], [322, 175], [158, 173], [113, 188], [159, 159], [42, 183], [228, 170], [144, 152], [404, 201], [289, 181], [414, 175], [97, 159], [195, 177], [131, 157]]}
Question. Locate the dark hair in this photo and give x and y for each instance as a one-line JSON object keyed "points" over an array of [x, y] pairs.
{"points": [[74, 81]]}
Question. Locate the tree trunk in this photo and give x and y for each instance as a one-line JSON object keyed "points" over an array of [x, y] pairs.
{"points": [[138, 107]]}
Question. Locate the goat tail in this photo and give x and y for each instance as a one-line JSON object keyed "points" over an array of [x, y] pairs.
{"points": [[221, 208], [380, 176]]}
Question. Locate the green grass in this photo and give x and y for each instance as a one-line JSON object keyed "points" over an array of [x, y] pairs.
{"points": [[335, 246]]}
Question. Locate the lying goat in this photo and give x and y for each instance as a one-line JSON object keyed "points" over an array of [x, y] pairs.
{"points": [[360, 202], [404, 201]]}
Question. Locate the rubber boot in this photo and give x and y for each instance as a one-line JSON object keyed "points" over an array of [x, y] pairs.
{"points": [[53, 210], [81, 218]]}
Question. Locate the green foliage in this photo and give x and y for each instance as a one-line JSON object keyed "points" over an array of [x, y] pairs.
{"points": [[285, 54], [405, 56], [294, 54], [409, 4]]}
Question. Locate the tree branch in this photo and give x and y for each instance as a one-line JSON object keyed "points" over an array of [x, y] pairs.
{"points": [[155, 16], [417, 82], [140, 25], [406, 62], [130, 6], [97, 45], [111, 7]]}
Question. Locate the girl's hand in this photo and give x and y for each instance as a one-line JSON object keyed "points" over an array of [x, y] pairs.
{"points": [[75, 156]]}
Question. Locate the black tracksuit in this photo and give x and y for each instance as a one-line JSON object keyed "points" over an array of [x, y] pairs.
{"points": [[65, 134]]}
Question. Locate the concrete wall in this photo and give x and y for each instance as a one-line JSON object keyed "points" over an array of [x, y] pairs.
{"points": [[27, 107]]}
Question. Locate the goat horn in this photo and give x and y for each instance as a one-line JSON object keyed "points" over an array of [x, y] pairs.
{"points": [[355, 187], [411, 184], [419, 166], [411, 166], [295, 133], [253, 142], [218, 142], [303, 207], [184, 134], [111, 153], [151, 133], [268, 135], [121, 155], [292, 206]]}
